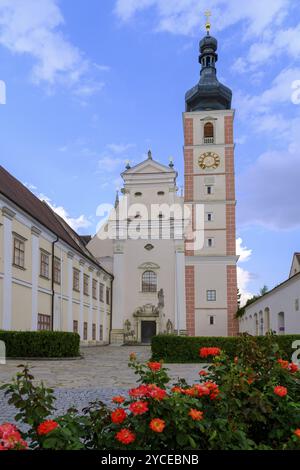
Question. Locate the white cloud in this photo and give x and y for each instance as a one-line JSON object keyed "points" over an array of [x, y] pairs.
{"points": [[265, 112], [279, 42], [184, 16], [119, 148], [34, 28], [243, 252], [109, 164], [76, 223], [243, 279], [243, 276], [268, 189]]}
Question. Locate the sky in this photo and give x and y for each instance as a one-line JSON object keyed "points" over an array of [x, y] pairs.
{"points": [[91, 84]]}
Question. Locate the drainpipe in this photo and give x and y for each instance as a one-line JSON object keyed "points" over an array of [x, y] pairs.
{"points": [[52, 284], [111, 310]]}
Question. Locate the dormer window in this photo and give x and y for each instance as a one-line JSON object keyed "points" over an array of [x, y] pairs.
{"points": [[208, 133]]}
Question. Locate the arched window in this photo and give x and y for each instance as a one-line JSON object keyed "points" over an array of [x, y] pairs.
{"points": [[208, 133], [149, 281]]}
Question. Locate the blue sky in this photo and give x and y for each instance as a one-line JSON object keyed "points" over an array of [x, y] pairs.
{"points": [[93, 83]]}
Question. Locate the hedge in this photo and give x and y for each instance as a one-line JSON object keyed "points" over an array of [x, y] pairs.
{"points": [[40, 343], [185, 349]]}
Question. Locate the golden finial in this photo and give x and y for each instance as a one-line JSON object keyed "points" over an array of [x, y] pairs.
{"points": [[208, 24]]}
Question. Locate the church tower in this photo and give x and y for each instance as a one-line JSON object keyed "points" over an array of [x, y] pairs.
{"points": [[210, 272]]}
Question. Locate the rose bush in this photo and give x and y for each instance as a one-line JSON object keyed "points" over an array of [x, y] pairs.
{"points": [[250, 402]]}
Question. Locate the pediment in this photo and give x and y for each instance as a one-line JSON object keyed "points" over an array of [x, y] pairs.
{"points": [[148, 166]]}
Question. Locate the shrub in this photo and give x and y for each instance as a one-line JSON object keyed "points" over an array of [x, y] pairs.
{"points": [[40, 343], [249, 403], [172, 348]]}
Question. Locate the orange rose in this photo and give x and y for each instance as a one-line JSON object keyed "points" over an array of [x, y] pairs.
{"points": [[118, 416], [157, 425], [119, 399], [196, 415], [125, 436], [46, 427], [297, 433]]}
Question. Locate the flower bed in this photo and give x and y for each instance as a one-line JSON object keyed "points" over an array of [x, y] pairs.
{"points": [[250, 402]]}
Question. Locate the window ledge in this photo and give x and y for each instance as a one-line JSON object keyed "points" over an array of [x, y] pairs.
{"points": [[19, 267]]}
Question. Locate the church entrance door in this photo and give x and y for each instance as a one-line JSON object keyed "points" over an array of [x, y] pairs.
{"points": [[148, 330]]}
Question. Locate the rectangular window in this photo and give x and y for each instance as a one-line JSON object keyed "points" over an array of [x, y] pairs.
{"points": [[57, 271], [44, 269], [19, 253], [75, 326], [94, 289], [211, 320], [94, 332], [211, 295], [108, 296], [76, 285], [297, 305], [210, 242], [85, 329], [44, 322], [101, 333], [101, 292], [209, 216], [209, 189], [86, 279]]}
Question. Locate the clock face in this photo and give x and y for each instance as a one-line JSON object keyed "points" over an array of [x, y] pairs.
{"points": [[209, 160]]}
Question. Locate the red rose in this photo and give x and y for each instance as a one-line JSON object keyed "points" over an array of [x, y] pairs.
{"points": [[203, 373], [139, 407], [205, 352], [196, 415], [118, 416], [293, 367], [46, 427], [157, 425], [201, 390], [118, 399], [156, 392], [125, 436], [139, 392], [297, 433], [154, 366], [280, 391]]}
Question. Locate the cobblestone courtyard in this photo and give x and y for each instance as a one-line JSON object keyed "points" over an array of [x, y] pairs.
{"points": [[102, 373]]}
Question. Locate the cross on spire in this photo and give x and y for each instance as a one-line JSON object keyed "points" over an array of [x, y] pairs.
{"points": [[207, 24]]}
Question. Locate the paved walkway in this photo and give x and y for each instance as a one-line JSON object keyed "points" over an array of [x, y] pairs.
{"points": [[102, 373]]}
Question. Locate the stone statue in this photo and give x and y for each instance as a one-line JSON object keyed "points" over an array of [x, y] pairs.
{"points": [[161, 299]]}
